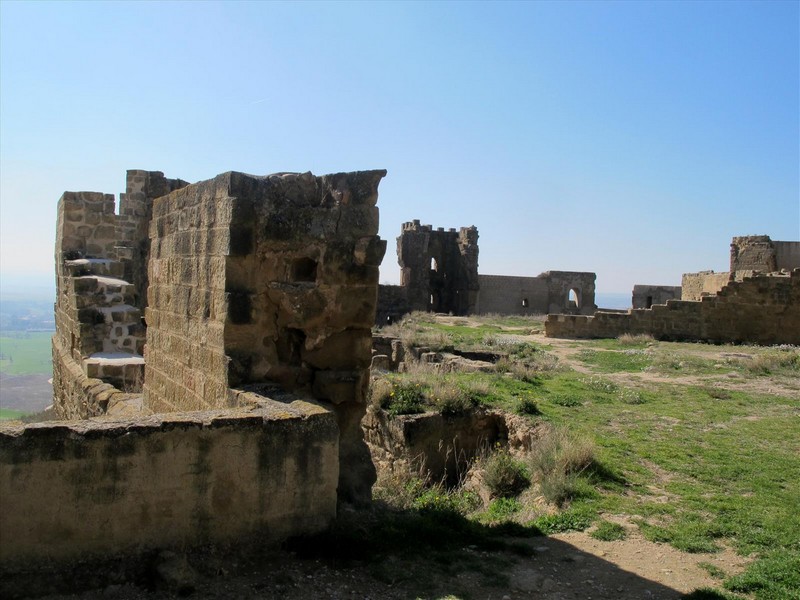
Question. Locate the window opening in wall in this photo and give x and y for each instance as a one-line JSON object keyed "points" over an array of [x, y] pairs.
{"points": [[304, 270], [574, 299], [649, 302], [524, 303], [434, 264]]}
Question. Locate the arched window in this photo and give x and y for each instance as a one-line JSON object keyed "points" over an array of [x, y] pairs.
{"points": [[434, 264], [524, 303]]}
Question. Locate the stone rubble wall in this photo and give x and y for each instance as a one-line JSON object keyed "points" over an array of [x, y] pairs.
{"points": [[82, 489], [763, 309]]}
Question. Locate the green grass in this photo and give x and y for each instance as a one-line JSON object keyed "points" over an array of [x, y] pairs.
{"points": [[7, 414], [25, 353], [609, 532], [696, 465]]}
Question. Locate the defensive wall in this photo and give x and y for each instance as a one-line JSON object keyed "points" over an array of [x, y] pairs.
{"points": [[749, 255], [439, 273], [645, 296], [760, 309], [254, 350]]}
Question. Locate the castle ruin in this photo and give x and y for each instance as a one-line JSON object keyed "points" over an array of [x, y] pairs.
{"points": [[439, 273], [757, 301], [206, 325]]}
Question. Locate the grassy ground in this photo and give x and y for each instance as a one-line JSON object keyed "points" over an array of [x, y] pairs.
{"points": [[7, 414], [683, 445], [25, 353]]}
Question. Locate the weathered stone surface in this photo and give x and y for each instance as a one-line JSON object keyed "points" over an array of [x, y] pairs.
{"points": [[762, 309]]}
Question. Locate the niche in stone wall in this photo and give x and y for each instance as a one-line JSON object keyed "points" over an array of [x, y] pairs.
{"points": [[304, 270]]}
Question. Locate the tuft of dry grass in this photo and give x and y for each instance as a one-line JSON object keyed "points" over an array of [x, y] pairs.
{"points": [[557, 460], [638, 339]]}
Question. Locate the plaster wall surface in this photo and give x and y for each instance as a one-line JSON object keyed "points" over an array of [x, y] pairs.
{"points": [[101, 487]]}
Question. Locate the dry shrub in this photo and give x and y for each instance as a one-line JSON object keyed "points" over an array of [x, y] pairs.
{"points": [[772, 361], [637, 339], [504, 475], [380, 389], [557, 461]]}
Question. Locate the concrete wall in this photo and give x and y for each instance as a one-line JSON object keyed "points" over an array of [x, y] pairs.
{"points": [[93, 488], [696, 285], [508, 295], [762, 310], [645, 296]]}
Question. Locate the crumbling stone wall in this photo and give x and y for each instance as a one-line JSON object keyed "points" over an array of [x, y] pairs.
{"points": [[763, 309], [645, 296], [267, 279], [100, 488], [694, 286], [99, 257], [759, 254], [439, 269]]}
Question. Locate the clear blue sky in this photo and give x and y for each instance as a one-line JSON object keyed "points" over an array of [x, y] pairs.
{"points": [[632, 139]]}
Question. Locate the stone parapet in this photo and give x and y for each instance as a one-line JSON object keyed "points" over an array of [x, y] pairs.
{"points": [[102, 487]]}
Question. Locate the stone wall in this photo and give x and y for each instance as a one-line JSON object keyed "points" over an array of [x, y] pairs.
{"points": [[760, 254], [696, 285], [392, 304], [787, 255], [76, 490], [267, 279], [507, 295], [548, 293], [763, 309], [645, 296]]}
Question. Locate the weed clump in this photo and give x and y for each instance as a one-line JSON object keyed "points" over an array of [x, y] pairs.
{"points": [[505, 476]]}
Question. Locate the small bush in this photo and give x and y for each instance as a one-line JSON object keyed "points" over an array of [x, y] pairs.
{"points": [[404, 399], [504, 475], [609, 532], [527, 406]]}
